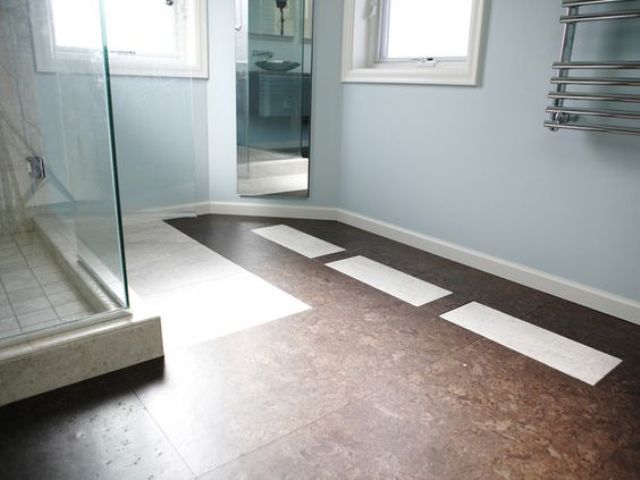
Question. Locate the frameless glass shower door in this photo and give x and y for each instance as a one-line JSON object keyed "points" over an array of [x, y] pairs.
{"points": [[273, 71], [63, 227]]}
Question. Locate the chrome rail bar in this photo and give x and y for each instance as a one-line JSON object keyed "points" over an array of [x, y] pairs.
{"points": [[621, 82], [568, 35], [593, 128], [595, 17], [595, 112], [568, 117], [596, 65], [605, 97]]}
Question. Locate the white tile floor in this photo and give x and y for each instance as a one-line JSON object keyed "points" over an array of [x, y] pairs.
{"points": [[199, 294], [389, 280], [570, 357], [299, 242], [34, 292]]}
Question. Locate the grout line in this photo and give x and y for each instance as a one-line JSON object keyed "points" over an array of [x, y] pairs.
{"points": [[357, 399], [166, 436], [6, 292], [30, 268], [282, 437], [39, 285]]}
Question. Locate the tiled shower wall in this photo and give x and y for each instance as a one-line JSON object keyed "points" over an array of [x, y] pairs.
{"points": [[20, 134]]}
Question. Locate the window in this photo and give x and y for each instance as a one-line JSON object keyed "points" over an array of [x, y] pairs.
{"points": [[145, 37], [412, 41]]}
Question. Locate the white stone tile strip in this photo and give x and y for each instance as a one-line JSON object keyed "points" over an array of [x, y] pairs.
{"points": [[299, 242], [389, 280], [558, 352]]}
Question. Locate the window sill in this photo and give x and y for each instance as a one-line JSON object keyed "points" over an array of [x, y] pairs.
{"points": [[94, 66], [411, 76]]}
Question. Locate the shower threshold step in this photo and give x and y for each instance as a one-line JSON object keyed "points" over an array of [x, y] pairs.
{"points": [[37, 364]]}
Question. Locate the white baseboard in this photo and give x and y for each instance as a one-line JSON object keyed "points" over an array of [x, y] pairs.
{"points": [[596, 299], [165, 213], [600, 300], [271, 210]]}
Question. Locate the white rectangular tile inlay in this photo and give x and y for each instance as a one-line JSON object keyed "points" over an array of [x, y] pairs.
{"points": [[563, 354], [299, 242], [389, 280]]}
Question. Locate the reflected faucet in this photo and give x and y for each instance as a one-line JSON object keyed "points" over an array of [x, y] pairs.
{"points": [[281, 4], [262, 53]]}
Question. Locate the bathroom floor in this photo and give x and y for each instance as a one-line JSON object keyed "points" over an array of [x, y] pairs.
{"points": [[343, 372], [35, 293], [269, 172]]}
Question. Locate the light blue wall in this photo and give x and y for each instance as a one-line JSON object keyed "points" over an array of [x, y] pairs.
{"points": [[161, 141], [474, 166], [176, 138], [326, 106]]}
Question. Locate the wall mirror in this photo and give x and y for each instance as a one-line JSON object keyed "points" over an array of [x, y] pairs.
{"points": [[274, 41]]}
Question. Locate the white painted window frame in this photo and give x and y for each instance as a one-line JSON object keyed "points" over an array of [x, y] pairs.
{"points": [[360, 50], [50, 59]]}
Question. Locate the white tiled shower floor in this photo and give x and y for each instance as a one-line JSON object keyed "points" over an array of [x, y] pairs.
{"points": [[34, 291]]}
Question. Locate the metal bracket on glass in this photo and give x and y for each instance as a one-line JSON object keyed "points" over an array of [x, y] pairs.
{"points": [[36, 167]]}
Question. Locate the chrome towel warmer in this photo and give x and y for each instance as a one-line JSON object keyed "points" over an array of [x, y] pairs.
{"points": [[568, 117]]}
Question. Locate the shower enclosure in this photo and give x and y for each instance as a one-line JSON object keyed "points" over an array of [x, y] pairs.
{"points": [[273, 94], [61, 248]]}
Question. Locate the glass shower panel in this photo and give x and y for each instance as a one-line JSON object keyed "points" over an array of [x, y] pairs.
{"points": [[273, 66], [159, 114], [69, 262], [79, 197], [156, 142]]}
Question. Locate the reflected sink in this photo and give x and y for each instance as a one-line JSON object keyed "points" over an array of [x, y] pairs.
{"points": [[277, 65]]}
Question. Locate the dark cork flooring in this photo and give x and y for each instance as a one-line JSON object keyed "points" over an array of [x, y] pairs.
{"points": [[362, 386]]}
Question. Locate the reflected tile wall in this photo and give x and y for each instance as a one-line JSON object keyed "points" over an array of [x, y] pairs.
{"points": [[20, 134]]}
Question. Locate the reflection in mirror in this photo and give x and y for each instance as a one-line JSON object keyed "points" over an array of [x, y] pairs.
{"points": [[273, 75]]}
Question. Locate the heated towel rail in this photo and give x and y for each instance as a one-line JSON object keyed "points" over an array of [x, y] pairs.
{"points": [[581, 116]]}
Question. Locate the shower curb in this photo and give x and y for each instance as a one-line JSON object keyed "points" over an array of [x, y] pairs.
{"points": [[42, 364]]}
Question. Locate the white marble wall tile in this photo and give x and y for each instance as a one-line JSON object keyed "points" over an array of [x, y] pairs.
{"points": [[20, 135]]}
